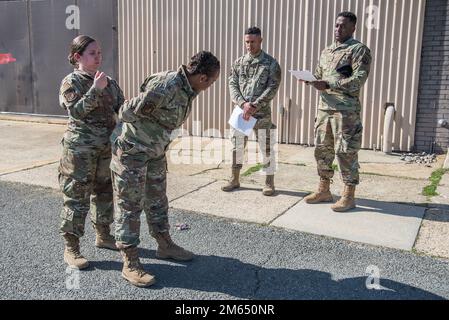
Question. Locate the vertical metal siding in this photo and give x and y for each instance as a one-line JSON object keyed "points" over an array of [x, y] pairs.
{"points": [[35, 33], [158, 35]]}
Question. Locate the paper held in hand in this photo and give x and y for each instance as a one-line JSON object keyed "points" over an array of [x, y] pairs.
{"points": [[303, 75], [238, 123]]}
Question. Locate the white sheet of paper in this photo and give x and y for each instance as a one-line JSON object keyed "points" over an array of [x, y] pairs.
{"points": [[238, 123], [303, 75]]}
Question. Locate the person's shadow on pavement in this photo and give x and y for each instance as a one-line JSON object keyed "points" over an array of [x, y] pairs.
{"points": [[248, 281]]}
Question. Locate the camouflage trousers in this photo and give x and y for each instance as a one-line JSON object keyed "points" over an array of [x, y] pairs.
{"points": [[139, 183], [338, 133], [85, 182], [265, 139]]}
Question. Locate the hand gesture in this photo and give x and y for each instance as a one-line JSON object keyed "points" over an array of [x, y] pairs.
{"points": [[100, 80]]}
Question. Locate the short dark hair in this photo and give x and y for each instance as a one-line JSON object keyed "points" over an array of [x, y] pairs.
{"points": [[346, 14], [78, 45], [203, 62], [253, 30]]}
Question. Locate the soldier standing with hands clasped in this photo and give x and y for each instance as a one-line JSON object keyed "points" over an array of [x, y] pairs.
{"points": [[92, 101], [341, 72], [253, 83]]}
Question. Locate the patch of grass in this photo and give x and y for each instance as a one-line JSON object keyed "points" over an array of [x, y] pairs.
{"points": [[253, 169], [430, 191], [335, 167], [435, 178]]}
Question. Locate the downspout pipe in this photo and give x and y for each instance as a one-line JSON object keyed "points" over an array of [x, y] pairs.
{"points": [[446, 162], [443, 123], [387, 145]]}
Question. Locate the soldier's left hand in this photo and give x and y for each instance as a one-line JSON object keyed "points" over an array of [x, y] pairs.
{"points": [[320, 85], [248, 111]]}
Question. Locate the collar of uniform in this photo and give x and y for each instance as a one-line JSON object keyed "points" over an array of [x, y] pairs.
{"points": [[343, 45], [250, 59], [185, 81], [83, 74]]}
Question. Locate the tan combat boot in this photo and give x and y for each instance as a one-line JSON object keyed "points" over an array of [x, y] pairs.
{"points": [[133, 270], [72, 254], [104, 238], [167, 249], [268, 190], [234, 182], [322, 195], [347, 201]]}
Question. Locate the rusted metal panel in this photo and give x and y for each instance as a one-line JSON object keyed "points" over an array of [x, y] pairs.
{"points": [[36, 34], [16, 92]]}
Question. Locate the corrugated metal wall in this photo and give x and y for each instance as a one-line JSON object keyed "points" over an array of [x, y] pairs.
{"points": [[156, 35]]}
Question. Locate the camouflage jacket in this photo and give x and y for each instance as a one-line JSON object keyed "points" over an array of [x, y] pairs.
{"points": [[164, 103], [255, 80], [92, 112], [345, 67]]}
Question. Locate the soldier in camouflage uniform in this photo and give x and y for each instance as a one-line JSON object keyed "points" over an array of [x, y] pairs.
{"points": [[253, 83], [341, 72], [139, 163], [92, 101]]}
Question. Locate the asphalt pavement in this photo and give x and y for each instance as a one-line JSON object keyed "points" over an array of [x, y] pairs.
{"points": [[234, 260]]}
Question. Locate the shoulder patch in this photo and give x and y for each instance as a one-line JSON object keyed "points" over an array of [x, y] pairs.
{"points": [[366, 59], [70, 95], [152, 99], [65, 86], [68, 91]]}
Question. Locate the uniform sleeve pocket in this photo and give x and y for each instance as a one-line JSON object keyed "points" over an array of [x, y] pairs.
{"points": [[125, 146]]}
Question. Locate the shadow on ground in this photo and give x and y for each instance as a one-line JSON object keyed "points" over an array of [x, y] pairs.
{"points": [[248, 281], [439, 212], [291, 193]]}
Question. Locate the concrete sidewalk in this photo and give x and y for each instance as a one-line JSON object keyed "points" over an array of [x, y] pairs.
{"points": [[391, 212]]}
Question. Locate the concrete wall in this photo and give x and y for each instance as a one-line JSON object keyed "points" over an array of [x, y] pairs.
{"points": [[433, 98]]}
